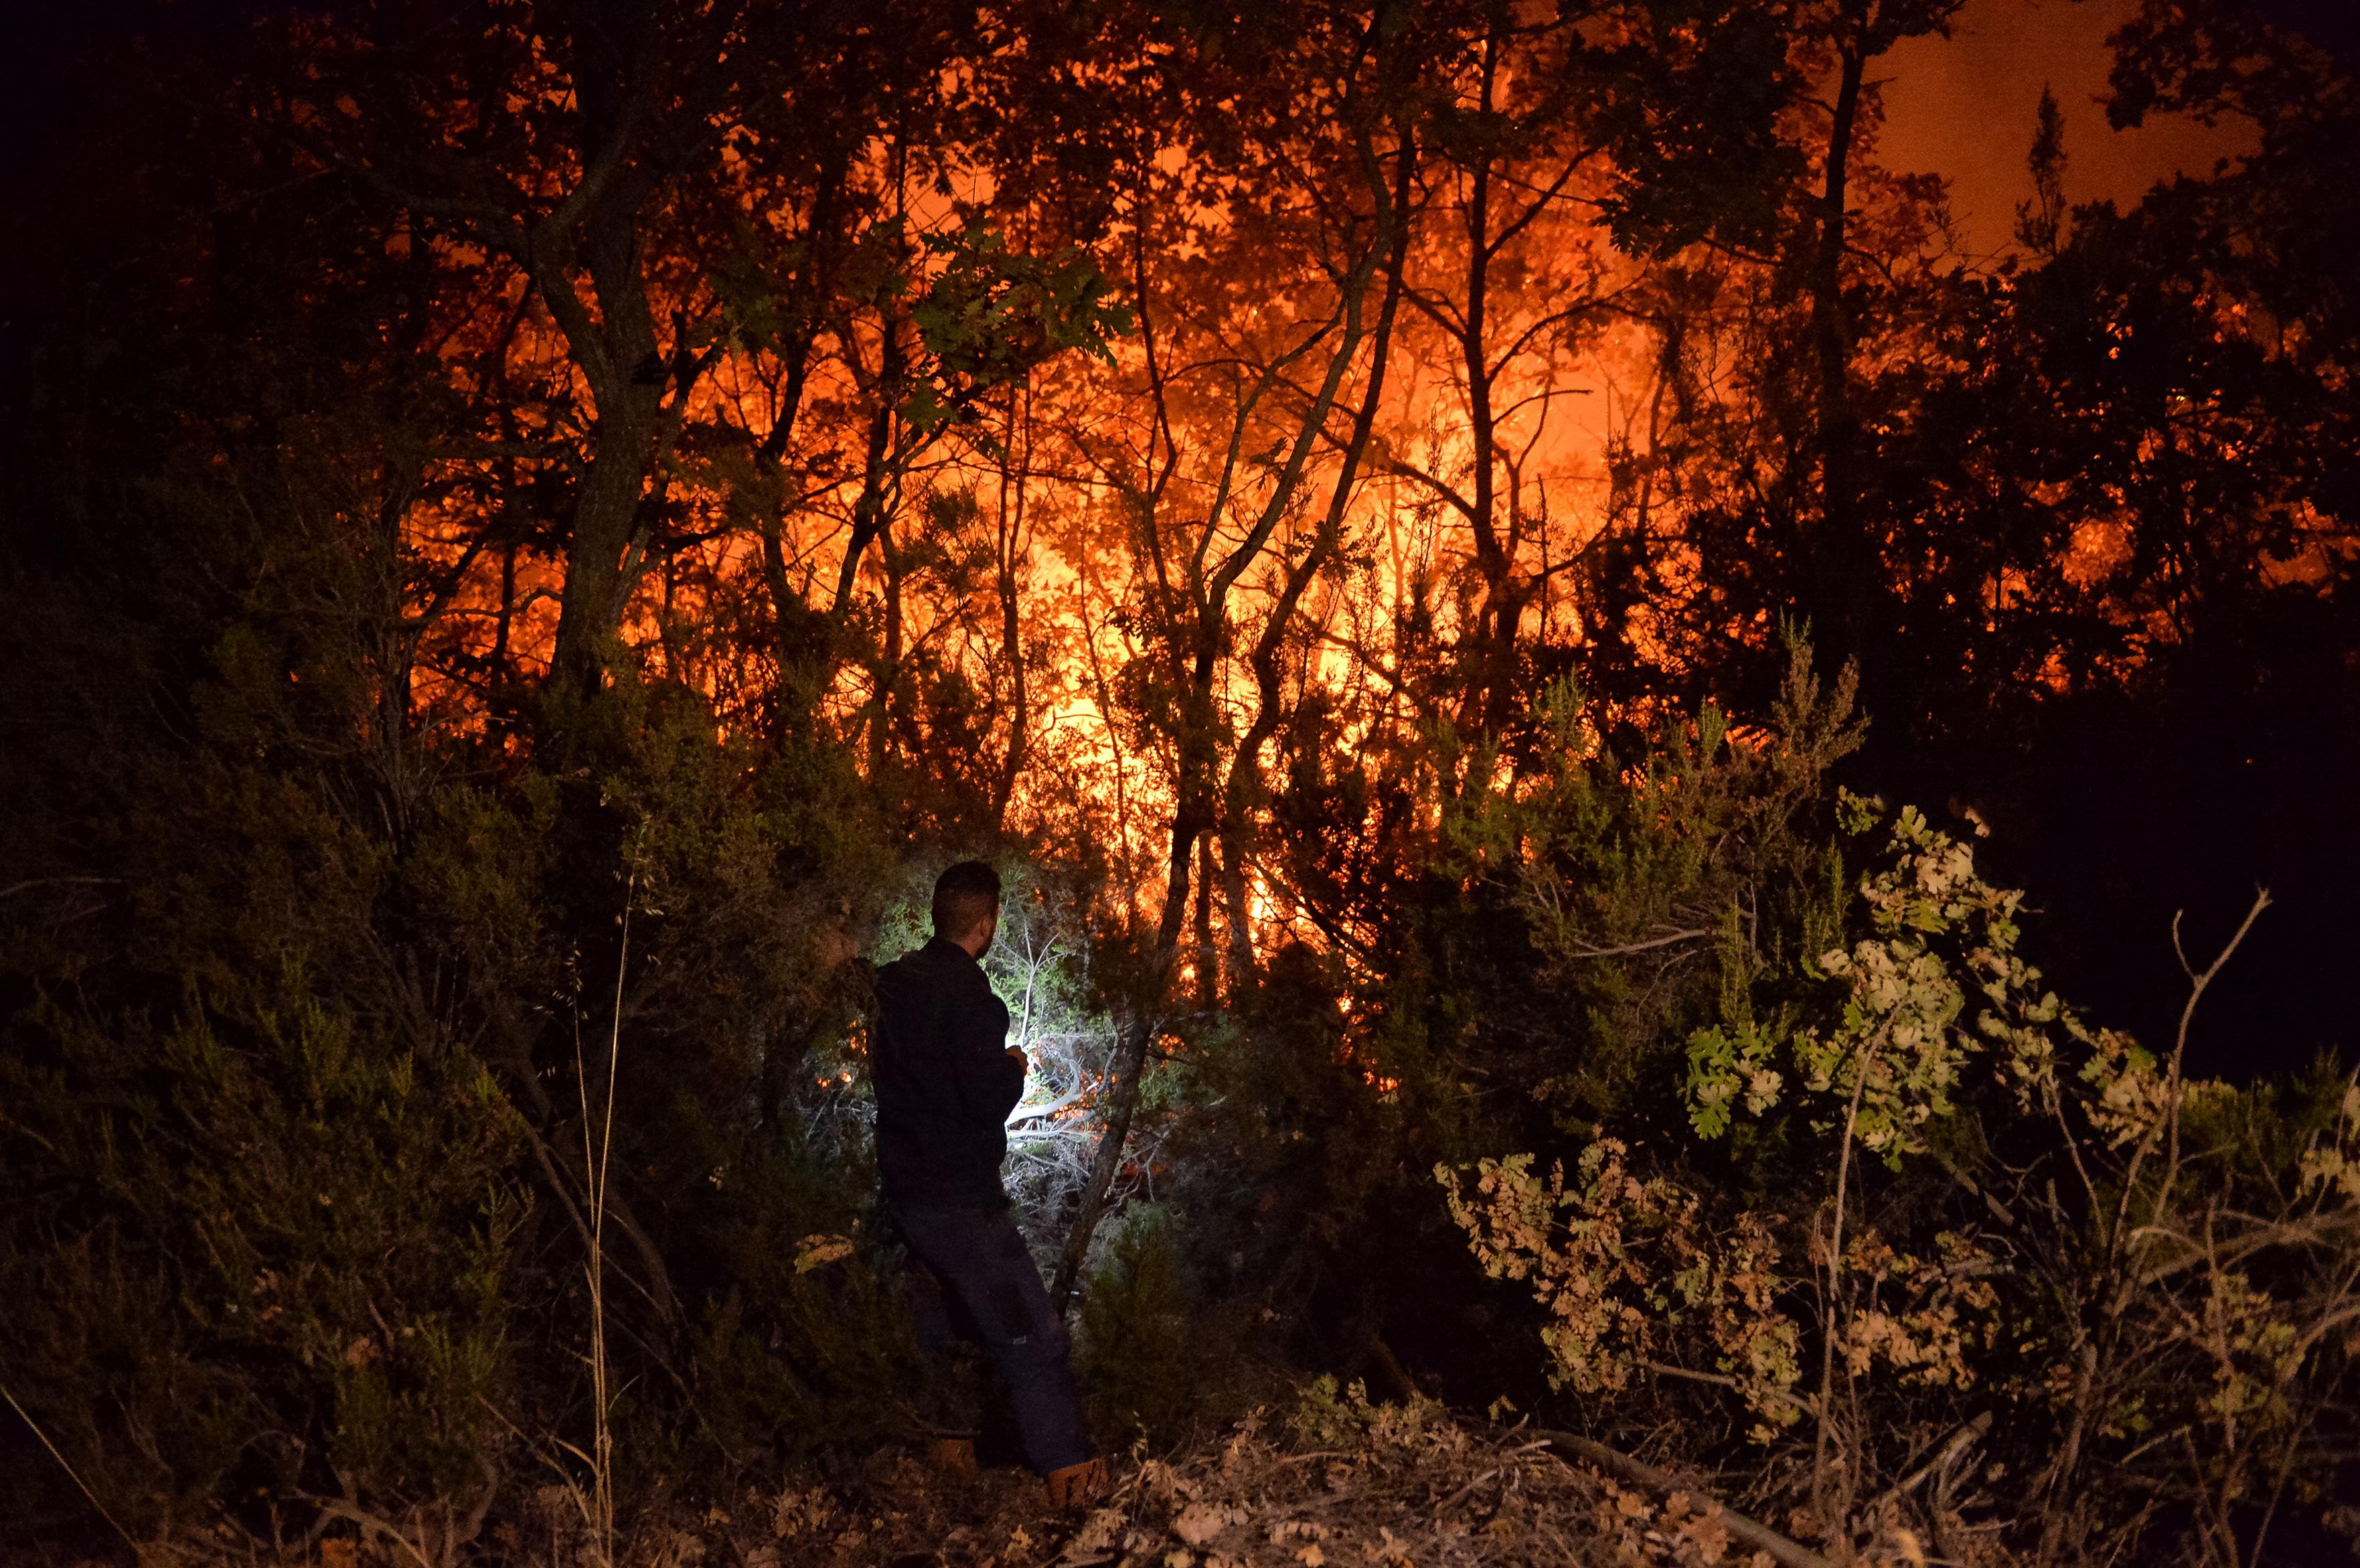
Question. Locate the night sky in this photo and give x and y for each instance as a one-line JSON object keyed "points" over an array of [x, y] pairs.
{"points": [[1962, 108]]}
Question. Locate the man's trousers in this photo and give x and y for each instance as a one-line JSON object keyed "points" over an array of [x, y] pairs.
{"points": [[989, 1292]]}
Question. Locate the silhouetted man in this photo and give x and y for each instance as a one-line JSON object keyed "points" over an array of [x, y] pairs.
{"points": [[946, 1079]]}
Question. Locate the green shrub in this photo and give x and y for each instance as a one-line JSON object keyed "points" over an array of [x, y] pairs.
{"points": [[261, 1250], [1154, 1357]]}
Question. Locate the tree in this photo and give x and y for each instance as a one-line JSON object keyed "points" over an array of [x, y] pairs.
{"points": [[2039, 224]]}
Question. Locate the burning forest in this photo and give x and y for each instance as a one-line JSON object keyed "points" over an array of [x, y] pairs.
{"points": [[1662, 800]]}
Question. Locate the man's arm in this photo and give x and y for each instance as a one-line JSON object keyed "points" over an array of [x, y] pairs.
{"points": [[988, 1070]]}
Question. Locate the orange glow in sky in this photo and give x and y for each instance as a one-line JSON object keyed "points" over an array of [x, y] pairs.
{"points": [[1962, 108]]}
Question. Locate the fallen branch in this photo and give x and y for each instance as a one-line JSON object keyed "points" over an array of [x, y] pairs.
{"points": [[2309, 1230], [1760, 1537], [1967, 1434]]}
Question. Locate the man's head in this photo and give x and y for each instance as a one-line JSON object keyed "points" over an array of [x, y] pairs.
{"points": [[966, 905]]}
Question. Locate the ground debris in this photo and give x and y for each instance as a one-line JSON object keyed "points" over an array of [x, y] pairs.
{"points": [[1408, 1489]]}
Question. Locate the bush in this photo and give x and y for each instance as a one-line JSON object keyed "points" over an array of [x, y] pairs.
{"points": [[1971, 1239], [261, 1253], [291, 1128], [1147, 1353]]}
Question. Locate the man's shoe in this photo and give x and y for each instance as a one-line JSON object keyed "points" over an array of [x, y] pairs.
{"points": [[952, 1455], [1077, 1484]]}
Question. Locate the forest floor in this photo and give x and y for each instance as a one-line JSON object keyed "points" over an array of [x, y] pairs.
{"points": [[1402, 1489]]}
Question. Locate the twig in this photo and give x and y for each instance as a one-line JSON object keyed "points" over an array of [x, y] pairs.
{"points": [[1459, 1496], [2187, 1015], [565, 1477], [1271, 1516], [15, 888], [1833, 1326], [1639, 947], [595, 1177], [1664, 1369], [1761, 1537], [2119, 1282], [2196, 984], [72, 1473]]}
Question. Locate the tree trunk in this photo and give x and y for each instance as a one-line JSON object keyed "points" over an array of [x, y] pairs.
{"points": [[1014, 482], [1128, 1066], [1240, 797], [627, 376], [1495, 629], [1841, 562]]}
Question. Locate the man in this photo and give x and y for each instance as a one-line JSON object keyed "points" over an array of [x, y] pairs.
{"points": [[946, 1079]]}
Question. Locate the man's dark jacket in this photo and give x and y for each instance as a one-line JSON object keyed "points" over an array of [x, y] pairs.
{"points": [[945, 1081]]}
